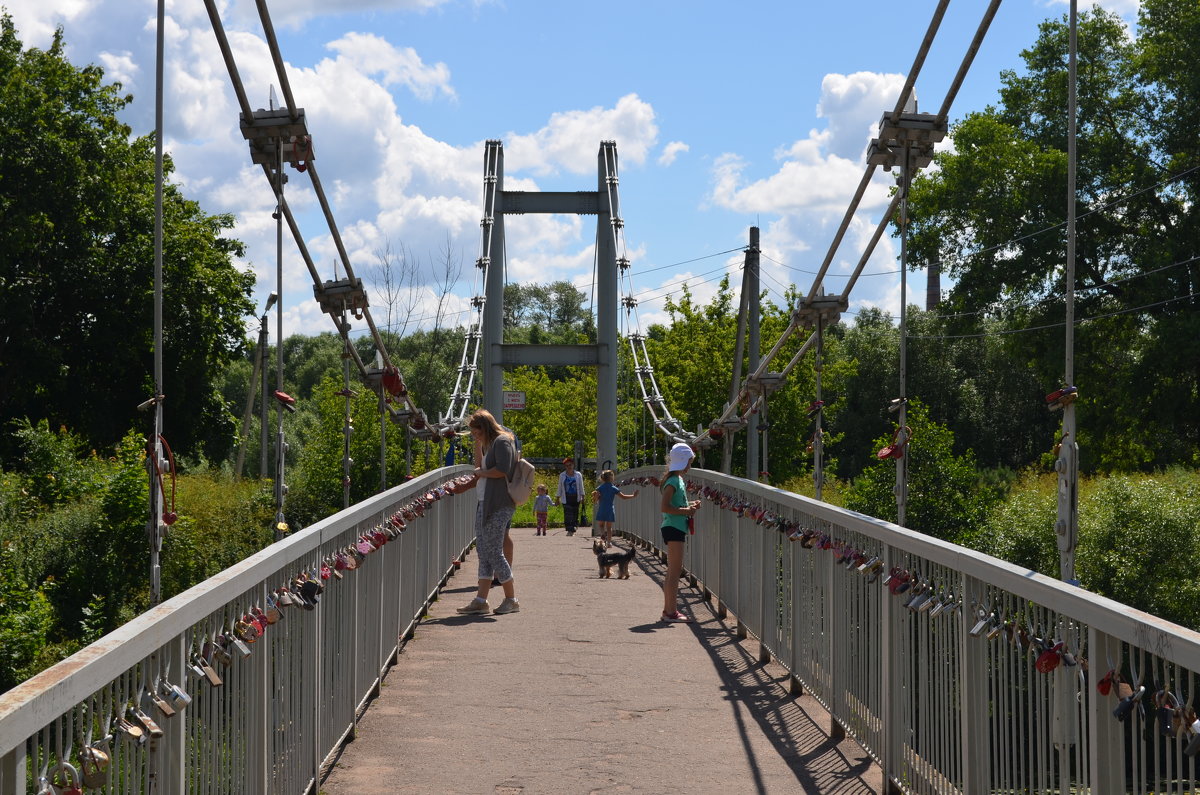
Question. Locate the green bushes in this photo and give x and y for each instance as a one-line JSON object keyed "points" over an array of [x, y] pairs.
{"points": [[946, 498], [1138, 538], [74, 560]]}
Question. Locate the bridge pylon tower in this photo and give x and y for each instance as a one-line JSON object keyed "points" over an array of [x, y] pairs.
{"points": [[497, 356]]}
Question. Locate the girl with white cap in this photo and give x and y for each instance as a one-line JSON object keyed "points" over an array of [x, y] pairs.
{"points": [[677, 512]]}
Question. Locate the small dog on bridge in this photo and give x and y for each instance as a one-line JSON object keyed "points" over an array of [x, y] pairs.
{"points": [[606, 560]]}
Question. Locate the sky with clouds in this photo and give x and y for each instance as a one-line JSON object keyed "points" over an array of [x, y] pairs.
{"points": [[725, 116]]}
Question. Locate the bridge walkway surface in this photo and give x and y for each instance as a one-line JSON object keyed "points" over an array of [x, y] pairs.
{"points": [[585, 691]]}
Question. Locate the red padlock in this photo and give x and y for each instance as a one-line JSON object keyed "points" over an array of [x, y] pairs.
{"points": [[1105, 685], [66, 780], [1050, 659]]}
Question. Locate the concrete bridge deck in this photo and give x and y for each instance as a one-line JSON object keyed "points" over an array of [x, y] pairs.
{"points": [[585, 691]]}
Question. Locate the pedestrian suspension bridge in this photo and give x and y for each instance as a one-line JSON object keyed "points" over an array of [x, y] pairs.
{"points": [[941, 669]]}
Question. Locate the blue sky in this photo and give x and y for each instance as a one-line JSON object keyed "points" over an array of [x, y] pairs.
{"points": [[726, 115]]}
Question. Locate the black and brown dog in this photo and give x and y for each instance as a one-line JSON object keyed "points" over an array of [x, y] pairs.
{"points": [[606, 560]]}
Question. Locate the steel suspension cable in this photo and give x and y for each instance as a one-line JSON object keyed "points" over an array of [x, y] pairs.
{"points": [[652, 396], [295, 113], [469, 361], [972, 50], [895, 115]]}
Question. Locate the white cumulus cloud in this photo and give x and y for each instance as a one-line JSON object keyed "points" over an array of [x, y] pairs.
{"points": [[809, 189], [571, 139], [672, 151], [374, 55], [120, 67]]}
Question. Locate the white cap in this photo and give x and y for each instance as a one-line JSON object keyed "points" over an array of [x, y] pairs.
{"points": [[679, 456]]}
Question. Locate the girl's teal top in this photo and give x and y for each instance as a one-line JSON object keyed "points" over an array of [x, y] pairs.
{"points": [[679, 499]]}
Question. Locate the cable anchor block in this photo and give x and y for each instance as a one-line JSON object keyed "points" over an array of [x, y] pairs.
{"points": [[731, 425], [400, 416], [337, 296], [826, 309], [763, 385], [418, 425], [269, 129], [918, 131]]}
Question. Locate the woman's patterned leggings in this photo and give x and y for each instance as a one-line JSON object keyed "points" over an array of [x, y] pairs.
{"points": [[489, 542]]}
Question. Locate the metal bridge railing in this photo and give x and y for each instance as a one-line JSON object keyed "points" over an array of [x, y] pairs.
{"points": [[285, 702], [959, 674]]}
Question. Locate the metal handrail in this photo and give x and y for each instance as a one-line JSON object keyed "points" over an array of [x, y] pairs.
{"points": [[281, 712], [942, 703]]}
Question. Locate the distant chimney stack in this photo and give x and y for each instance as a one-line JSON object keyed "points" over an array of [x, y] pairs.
{"points": [[933, 288]]}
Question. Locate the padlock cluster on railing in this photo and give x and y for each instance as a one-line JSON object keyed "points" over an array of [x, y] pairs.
{"points": [[130, 720], [88, 767], [1174, 717], [924, 596]]}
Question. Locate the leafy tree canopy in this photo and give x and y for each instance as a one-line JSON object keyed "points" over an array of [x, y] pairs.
{"points": [[77, 263], [994, 212]]}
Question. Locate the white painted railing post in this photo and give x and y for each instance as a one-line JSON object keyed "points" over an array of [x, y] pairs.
{"points": [[12, 770], [1106, 735], [833, 658], [974, 686], [891, 744]]}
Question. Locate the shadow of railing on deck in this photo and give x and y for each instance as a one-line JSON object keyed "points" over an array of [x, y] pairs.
{"points": [[761, 691]]}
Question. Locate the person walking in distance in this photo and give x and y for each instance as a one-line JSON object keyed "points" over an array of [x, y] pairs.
{"points": [[605, 499], [570, 489], [494, 513], [541, 507], [677, 513]]}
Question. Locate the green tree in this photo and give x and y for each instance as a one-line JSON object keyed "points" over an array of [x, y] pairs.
{"points": [[993, 214], [558, 412], [945, 497], [76, 264], [554, 313]]}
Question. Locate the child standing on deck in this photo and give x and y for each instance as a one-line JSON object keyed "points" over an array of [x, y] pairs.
{"points": [[605, 499], [541, 507], [677, 510]]}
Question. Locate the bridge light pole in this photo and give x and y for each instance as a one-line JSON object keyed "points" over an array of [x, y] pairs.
{"points": [[1066, 527], [906, 139]]}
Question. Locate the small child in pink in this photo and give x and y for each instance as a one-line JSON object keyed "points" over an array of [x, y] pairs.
{"points": [[541, 506]]}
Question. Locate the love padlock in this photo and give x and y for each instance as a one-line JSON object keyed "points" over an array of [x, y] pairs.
{"points": [[1126, 705], [1167, 708], [139, 718], [93, 766], [176, 695], [164, 707], [65, 780], [1050, 658]]}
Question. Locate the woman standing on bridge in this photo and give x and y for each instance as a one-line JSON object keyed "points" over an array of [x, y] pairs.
{"points": [[677, 513], [495, 512]]}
